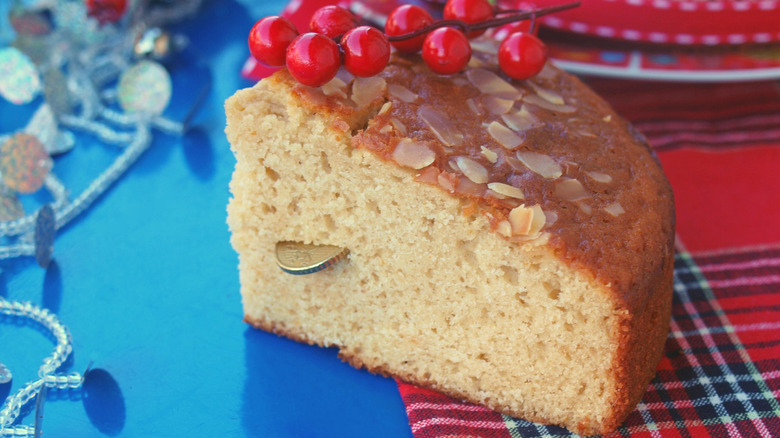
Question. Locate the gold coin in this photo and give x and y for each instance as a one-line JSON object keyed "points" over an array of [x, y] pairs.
{"points": [[301, 258]]}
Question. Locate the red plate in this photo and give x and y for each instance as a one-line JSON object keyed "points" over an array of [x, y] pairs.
{"points": [[686, 22]]}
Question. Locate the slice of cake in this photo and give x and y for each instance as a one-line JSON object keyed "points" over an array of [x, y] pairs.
{"points": [[510, 242]]}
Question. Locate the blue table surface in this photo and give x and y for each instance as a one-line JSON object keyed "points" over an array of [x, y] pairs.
{"points": [[147, 283]]}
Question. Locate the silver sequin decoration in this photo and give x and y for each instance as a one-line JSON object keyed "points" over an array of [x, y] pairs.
{"points": [[19, 80], [145, 88], [5, 374]]}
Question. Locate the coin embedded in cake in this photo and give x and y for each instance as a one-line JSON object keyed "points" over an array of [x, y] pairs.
{"points": [[302, 258]]}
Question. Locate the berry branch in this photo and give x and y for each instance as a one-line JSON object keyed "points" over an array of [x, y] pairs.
{"points": [[335, 38]]}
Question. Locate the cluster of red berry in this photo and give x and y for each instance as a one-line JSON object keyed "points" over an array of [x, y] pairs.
{"points": [[335, 38]]}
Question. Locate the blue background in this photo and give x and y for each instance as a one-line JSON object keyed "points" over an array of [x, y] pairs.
{"points": [[147, 283]]}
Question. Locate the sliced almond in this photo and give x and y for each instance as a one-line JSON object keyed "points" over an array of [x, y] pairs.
{"points": [[615, 209], [548, 95], [521, 219], [599, 177], [413, 154], [447, 181], [386, 107], [468, 187], [439, 124], [506, 190], [542, 164], [402, 93], [473, 170], [385, 129], [489, 154], [497, 105], [366, 90], [428, 175], [474, 106], [335, 87], [504, 136], [398, 125], [607, 118], [535, 99], [550, 217], [548, 72], [587, 209], [569, 189], [520, 120], [504, 228], [475, 62], [459, 81], [539, 219], [490, 83]]}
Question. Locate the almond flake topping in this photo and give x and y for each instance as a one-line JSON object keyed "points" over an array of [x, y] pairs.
{"points": [[550, 96], [504, 228], [490, 83], [548, 72], [439, 124], [615, 209], [570, 189], [542, 103], [599, 177], [402, 93], [506, 190], [335, 87], [474, 106], [527, 221], [489, 155], [366, 90], [386, 107], [412, 154], [497, 105], [520, 120], [473, 170], [542, 164], [504, 136], [398, 125], [521, 218]]}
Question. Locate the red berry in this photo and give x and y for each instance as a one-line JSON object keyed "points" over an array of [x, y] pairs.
{"points": [[470, 11], [106, 11], [407, 19], [446, 50], [522, 55], [269, 38], [332, 21], [366, 51], [313, 59]]}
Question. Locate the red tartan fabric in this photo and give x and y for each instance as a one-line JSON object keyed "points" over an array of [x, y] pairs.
{"points": [[720, 147]]}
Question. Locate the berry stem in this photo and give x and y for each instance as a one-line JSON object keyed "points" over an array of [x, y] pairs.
{"points": [[517, 15]]}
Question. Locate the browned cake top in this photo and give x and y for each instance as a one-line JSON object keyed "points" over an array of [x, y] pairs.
{"points": [[545, 160]]}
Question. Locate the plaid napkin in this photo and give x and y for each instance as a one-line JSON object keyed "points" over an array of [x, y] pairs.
{"points": [[720, 146]]}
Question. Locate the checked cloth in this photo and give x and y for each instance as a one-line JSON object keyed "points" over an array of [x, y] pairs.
{"points": [[720, 377], [719, 145]]}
